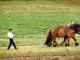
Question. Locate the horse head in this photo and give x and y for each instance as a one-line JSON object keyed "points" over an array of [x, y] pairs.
{"points": [[77, 28]]}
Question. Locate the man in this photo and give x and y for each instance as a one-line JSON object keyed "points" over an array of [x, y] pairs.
{"points": [[10, 36]]}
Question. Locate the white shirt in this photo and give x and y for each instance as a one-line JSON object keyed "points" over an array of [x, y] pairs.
{"points": [[10, 35]]}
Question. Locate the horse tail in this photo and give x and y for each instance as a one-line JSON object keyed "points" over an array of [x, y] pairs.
{"points": [[48, 37]]}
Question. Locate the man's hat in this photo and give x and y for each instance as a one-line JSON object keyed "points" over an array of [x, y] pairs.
{"points": [[10, 29]]}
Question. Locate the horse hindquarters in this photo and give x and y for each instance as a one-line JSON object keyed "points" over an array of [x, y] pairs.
{"points": [[48, 38]]}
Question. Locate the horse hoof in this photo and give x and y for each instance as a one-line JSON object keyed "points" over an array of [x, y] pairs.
{"points": [[76, 44], [54, 45], [66, 44], [49, 44]]}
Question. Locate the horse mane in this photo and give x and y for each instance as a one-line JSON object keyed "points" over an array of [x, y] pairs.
{"points": [[75, 26]]}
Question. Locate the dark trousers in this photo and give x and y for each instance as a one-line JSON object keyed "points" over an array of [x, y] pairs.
{"points": [[11, 42]]}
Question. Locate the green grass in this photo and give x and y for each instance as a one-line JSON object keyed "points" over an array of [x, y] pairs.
{"points": [[38, 48], [34, 18], [29, 49]]}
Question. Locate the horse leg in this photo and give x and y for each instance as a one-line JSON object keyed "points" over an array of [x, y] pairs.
{"points": [[76, 43], [55, 43], [63, 41], [49, 44], [67, 42]]}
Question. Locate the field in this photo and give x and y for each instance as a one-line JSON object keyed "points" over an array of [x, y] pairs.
{"points": [[42, 56], [29, 21]]}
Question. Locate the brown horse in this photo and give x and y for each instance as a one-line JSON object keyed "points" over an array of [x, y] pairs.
{"points": [[65, 32]]}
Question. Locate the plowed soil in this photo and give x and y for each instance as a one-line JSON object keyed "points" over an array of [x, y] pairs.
{"points": [[42, 56]]}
